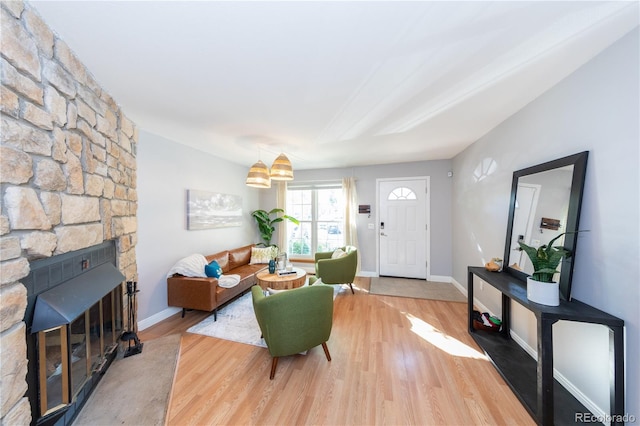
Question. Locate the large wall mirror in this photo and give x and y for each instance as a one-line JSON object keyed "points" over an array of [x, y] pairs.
{"points": [[545, 202]]}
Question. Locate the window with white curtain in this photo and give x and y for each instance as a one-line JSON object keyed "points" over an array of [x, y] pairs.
{"points": [[320, 209]]}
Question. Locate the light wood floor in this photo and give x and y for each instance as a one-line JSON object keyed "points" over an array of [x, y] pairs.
{"points": [[395, 361]]}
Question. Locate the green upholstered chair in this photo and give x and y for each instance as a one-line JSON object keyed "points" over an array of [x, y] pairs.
{"points": [[341, 270], [295, 320]]}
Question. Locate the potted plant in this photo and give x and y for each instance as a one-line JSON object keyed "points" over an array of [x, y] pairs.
{"points": [[545, 260], [266, 223]]}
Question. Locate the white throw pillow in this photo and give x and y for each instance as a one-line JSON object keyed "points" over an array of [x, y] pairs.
{"points": [[262, 255], [338, 253], [190, 266]]}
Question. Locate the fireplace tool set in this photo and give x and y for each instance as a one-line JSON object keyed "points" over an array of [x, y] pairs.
{"points": [[130, 335]]}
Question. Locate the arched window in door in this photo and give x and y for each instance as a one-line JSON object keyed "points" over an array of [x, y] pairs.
{"points": [[401, 193]]}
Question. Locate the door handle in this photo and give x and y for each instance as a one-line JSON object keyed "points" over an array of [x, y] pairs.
{"points": [[383, 234]]}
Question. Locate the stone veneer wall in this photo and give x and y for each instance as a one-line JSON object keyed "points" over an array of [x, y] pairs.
{"points": [[67, 176]]}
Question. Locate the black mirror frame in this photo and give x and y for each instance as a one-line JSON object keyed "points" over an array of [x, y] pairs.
{"points": [[579, 163]]}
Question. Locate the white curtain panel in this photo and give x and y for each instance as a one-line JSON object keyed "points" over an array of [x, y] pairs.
{"points": [[281, 203], [350, 214]]}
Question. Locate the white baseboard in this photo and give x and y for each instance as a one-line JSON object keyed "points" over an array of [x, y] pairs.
{"points": [[573, 390], [577, 393], [156, 318], [434, 278], [584, 400], [463, 289]]}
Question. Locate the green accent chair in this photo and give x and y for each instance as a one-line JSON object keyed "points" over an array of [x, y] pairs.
{"points": [[294, 321], [336, 271]]}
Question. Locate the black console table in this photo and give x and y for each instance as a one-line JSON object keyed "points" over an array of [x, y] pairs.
{"points": [[546, 400]]}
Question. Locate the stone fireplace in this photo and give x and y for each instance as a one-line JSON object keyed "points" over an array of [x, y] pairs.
{"points": [[68, 182]]}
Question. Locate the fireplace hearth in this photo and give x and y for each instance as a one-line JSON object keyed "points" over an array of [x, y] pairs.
{"points": [[74, 323]]}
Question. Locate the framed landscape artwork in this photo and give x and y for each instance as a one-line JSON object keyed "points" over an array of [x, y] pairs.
{"points": [[206, 210]]}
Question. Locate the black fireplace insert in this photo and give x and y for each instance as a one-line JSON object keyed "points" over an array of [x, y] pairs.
{"points": [[74, 323]]}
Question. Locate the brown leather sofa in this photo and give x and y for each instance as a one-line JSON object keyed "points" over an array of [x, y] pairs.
{"points": [[204, 294]]}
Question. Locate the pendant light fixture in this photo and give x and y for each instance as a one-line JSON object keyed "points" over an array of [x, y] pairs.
{"points": [[281, 168], [258, 176]]}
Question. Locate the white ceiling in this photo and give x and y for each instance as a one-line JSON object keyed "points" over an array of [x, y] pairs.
{"points": [[331, 83]]}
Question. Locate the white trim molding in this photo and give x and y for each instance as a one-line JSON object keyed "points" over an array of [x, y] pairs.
{"points": [[441, 279], [156, 318]]}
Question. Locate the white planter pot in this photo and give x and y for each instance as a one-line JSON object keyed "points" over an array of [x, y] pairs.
{"points": [[543, 293]]}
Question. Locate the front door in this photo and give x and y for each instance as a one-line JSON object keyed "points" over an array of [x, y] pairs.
{"points": [[403, 227], [523, 221]]}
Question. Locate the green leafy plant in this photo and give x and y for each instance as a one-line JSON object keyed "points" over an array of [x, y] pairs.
{"points": [[545, 259], [266, 221], [300, 247]]}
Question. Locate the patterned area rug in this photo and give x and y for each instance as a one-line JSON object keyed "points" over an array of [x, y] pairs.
{"points": [[237, 322], [416, 288]]}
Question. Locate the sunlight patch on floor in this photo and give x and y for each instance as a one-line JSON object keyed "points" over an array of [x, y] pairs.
{"points": [[440, 340]]}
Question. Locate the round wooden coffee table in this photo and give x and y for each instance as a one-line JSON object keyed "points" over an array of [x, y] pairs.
{"points": [[281, 282]]}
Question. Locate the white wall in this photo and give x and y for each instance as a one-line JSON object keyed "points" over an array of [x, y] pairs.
{"points": [[594, 109], [166, 170], [441, 262]]}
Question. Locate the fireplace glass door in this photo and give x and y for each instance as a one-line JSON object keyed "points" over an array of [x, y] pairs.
{"points": [[54, 371], [70, 354], [80, 368]]}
